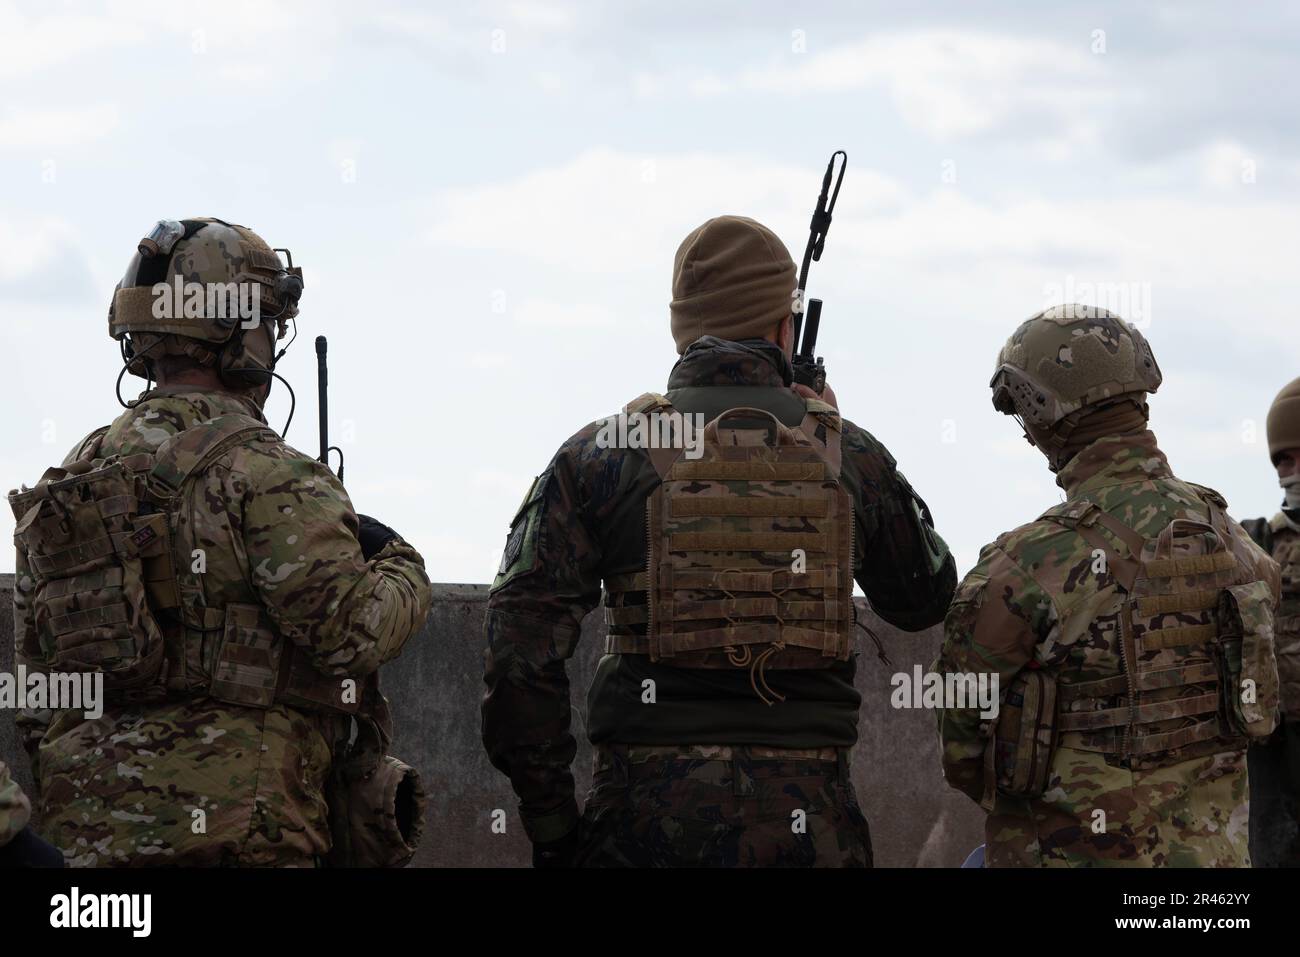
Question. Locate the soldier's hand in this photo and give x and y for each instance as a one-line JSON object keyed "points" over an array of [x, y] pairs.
{"points": [[373, 535], [559, 853], [827, 396]]}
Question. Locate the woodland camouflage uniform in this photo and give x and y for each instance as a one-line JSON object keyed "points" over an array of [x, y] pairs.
{"points": [[711, 772]]}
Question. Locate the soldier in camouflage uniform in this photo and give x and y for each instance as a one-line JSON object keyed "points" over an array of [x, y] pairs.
{"points": [[731, 751], [1129, 628], [1275, 763], [241, 622]]}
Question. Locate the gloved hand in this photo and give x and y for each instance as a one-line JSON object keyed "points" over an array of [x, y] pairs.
{"points": [[373, 536], [28, 849], [559, 853]]}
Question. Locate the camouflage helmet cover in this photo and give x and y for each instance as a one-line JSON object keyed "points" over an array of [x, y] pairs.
{"points": [[230, 265], [1283, 423], [1069, 357]]}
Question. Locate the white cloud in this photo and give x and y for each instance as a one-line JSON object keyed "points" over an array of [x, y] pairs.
{"points": [[1228, 165], [54, 128], [29, 245], [946, 83], [549, 314], [607, 212], [31, 44], [543, 16]]}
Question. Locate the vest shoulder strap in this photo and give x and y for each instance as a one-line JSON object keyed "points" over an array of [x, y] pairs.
{"points": [[89, 447], [188, 453], [823, 417], [661, 458], [647, 402], [1209, 495], [1083, 517]]}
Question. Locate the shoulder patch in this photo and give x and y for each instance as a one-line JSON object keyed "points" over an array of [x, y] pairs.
{"points": [[519, 557], [936, 549]]}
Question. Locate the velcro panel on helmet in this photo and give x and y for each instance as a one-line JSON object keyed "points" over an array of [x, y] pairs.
{"points": [[133, 312]]}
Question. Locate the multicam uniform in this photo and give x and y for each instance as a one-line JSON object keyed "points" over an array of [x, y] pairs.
{"points": [[1130, 629], [270, 570], [712, 771], [1036, 600]]}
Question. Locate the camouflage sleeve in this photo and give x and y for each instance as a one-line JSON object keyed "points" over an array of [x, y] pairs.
{"points": [[995, 623], [903, 565], [300, 536], [548, 581]]}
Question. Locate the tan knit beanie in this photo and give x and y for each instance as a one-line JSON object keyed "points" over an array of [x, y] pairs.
{"points": [[732, 278], [1283, 423]]}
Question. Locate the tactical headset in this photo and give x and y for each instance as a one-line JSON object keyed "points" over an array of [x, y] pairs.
{"points": [[214, 340]]}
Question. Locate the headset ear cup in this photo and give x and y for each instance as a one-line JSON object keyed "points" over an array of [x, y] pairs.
{"points": [[288, 289]]}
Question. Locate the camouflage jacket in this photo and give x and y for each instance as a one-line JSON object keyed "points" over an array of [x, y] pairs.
{"points": [[277, 530], [14, 807], [1280, 537], [1034, 599], [584, 520]]}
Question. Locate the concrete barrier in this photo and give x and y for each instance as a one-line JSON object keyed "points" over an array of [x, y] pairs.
{"points": [[437, 684]]}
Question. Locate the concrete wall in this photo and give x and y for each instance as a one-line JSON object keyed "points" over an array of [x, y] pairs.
{"points": [[436, 686]]}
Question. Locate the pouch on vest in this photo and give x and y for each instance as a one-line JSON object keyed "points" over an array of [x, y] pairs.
{"points": [[1250, 681], [1018, 755], [247, 662], [87, 553], [1189, 612], [376, 802]]}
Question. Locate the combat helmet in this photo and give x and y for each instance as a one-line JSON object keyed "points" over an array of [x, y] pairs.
{"points": [[1069, 357], [209, 289], [1283, 423]]}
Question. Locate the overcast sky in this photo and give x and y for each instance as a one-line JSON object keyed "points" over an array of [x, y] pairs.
{"points": [[485, 200]]}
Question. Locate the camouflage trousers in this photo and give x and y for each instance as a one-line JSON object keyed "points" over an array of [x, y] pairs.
{"points": [[1275, 798], [718, 806]]}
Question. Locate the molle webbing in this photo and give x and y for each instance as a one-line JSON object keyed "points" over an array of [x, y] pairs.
{"points": [[749, 545], [799, 507], [99, 539], [749, 471], [1171, 693]]}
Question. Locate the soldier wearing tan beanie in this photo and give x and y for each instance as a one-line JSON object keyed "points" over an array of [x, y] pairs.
{"points": [[733, 279], [590, 526]]}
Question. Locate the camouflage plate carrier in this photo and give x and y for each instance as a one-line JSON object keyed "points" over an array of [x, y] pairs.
{"points": [[101, 538], [750, 558], [1195, 637]]}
